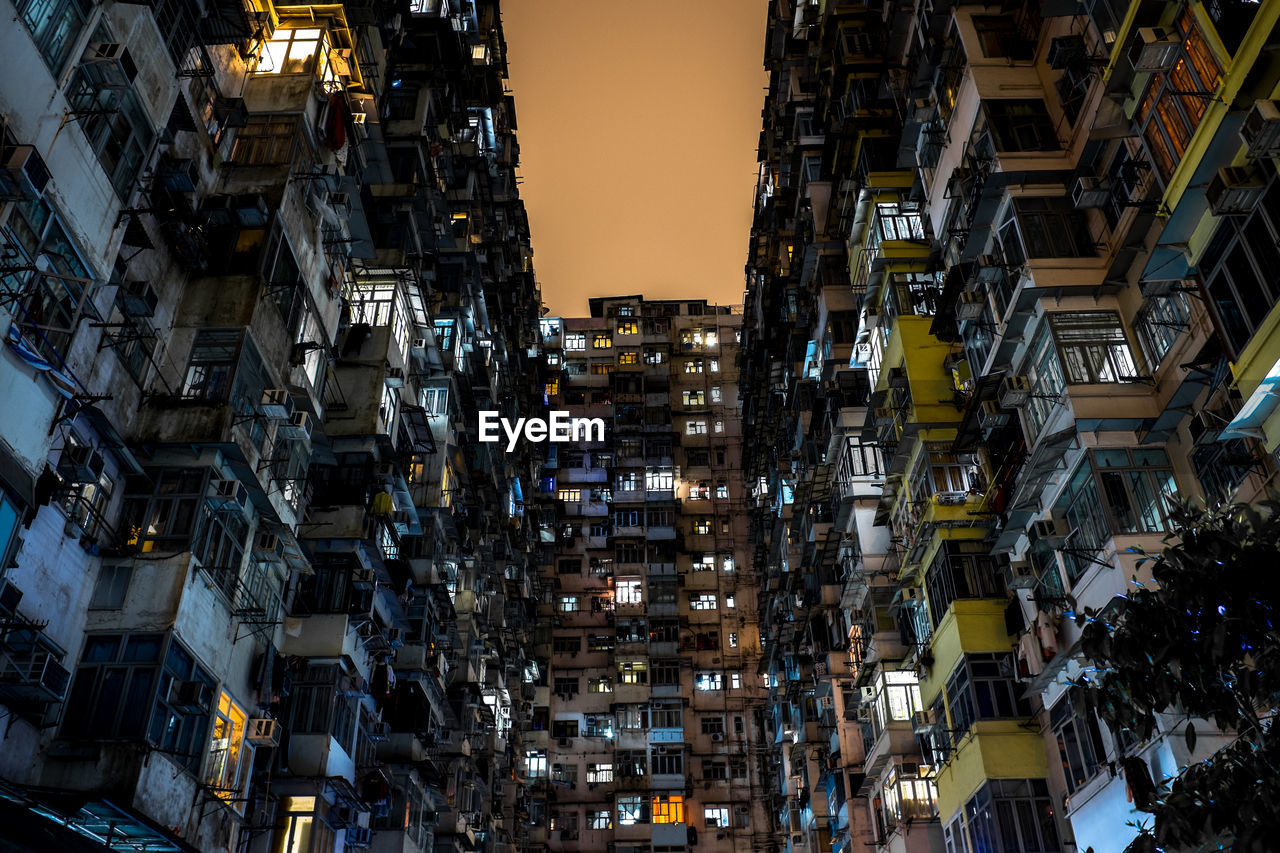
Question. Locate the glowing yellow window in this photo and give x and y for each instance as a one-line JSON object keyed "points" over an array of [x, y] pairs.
{"points": [[629, 357], [291, 51], [668, 809], [628, 327], [229, 762]]}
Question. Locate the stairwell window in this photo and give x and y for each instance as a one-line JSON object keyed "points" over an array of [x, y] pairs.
{"points": [[1093, 347]]}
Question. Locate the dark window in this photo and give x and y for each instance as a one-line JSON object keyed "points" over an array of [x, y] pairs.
{"points": [[1039, 227], [1079, 742], [1012, 816], [983, 688], [55, 27], [1018, 124], [957, 572], [1238, 266]]}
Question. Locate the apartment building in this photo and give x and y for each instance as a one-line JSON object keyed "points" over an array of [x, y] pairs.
{"points": [[648, 730], [1006, 297], [261, 588]]}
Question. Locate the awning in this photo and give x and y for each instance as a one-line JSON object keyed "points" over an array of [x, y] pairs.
{"points": [[1257, 409], [83, 822]]}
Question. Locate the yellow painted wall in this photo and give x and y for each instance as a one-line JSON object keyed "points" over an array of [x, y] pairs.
{"points": [[993, 749]]}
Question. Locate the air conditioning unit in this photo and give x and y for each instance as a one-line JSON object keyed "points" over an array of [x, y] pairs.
{"points": [[268, 545], [717, 737], [277, 404], [228, 494], [1204, 428], [1045, 532], [924, 721], [364, 578], [1261, 129], [297, 428], [137, 299], [970, 305], [340, 202], [108, 65], [179, 176], [1021, 576], [1091, 192], [54, 679], [1065, 51], [264, 731], [80, 463], [1235, 189], [992, 416], [23, 174], [359, 836], [190, 697], [395, 377], [1014, 392], [1160, 49]]}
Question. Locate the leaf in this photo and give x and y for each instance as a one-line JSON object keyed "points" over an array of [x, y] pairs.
{"points": [[1191, 738]]}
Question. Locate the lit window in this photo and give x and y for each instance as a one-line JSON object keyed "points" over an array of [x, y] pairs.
{"points": [[716, 396], [1092, 347], [570, 495], [633, 672], [715, 365], [598, 774], [730, 601], [719, 426], [726, 564], [693, 365], [630, 591], [735, 681], [227, 771], [552, 388], [722, 491], [575, 342], [716, 816], [654, 356], [694, 398], [292, 51], [630, 810], [695, 428], [567, 603], [733, 639], [668, 809], [601, 342], [704, 563], [599, 819], [303, 828], [601, 369], [629, 357], [628, 327], [602, 684], [712, 680], [704, 601], [702, 526], [535, 763]]}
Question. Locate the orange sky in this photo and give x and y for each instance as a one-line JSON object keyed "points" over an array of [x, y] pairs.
{"points": [[638, 124]]}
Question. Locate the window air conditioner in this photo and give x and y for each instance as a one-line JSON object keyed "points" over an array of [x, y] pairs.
{"points": [[1014, 392], [1261, 129], [23, 174], [1160, 49], [1235, 189]]}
